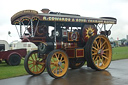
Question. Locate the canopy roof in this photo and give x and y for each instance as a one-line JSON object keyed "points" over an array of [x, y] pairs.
{"points": [[27, 15]]}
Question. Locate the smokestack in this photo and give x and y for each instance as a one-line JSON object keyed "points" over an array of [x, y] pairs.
{"points": [[46, 11]]}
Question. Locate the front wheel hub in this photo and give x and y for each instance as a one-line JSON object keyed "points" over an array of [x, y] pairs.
{"points": [[59, 63], [100, 52]]}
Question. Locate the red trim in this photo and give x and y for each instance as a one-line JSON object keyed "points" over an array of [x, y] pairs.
{"points": [[79, 52], [70, 53]]}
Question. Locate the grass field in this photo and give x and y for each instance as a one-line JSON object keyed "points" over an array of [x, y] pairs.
{"points": [[7, 71], [120, 53]]}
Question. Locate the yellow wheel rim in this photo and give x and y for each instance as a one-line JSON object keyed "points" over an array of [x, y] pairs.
{"points": [[59, 64], [36, 65], [101, 52]]}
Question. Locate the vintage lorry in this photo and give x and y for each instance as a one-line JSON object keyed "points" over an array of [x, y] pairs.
{"points": [[11, 57], [74, 40]]}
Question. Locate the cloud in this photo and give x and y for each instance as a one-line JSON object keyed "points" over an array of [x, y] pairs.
{"points": [[4, 33], [88, 8]]}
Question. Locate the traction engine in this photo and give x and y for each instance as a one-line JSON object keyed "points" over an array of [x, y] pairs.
{"points": [[63, 40]]}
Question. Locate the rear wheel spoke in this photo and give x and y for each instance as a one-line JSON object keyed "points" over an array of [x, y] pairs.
{"points": [[106, 50], [99, 42], [95, 48], [105, 57], [103, 44], [102, 61], [97, 62], [94, 53], [96, 44]]}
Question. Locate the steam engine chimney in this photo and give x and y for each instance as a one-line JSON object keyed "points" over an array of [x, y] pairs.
{"points": [[46, 11]]}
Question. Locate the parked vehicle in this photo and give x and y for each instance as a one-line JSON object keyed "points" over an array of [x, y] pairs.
{"points": [[29, 46], [11, 57], [73, 41]]}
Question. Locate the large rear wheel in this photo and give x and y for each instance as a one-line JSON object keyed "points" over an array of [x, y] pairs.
{"points": [[98, 52], [57, 63], [33, 64]]}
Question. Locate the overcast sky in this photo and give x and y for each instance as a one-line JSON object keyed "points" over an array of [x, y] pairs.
{"points": [[88, 8]]}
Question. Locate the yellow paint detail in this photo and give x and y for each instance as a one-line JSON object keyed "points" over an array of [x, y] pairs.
{"points": [[36, 65], [80, 50], [101, 52], [44, 18], [88, 30], [59, 64]]}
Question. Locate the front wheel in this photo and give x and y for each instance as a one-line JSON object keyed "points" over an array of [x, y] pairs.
{"points": [[98, 52], [57, 63], [33, 64]]}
